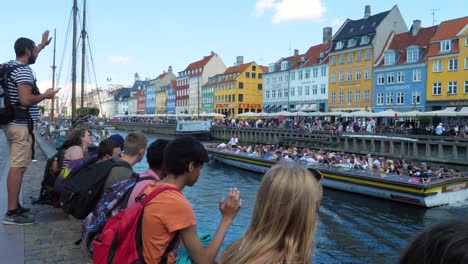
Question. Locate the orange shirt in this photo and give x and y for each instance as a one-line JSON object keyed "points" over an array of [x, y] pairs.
{"points": [[162, 217]]}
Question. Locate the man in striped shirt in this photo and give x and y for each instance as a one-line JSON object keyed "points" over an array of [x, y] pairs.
{"points": [[25, 95]]}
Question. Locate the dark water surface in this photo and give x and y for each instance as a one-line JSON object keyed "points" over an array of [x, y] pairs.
{"points": [[352, 228]]}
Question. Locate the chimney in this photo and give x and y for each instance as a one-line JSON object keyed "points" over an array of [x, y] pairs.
{"points": [[212, 52], [416, 27], [239, 60], [367, 11], [327, 34], [169, 69], [296, 52]]}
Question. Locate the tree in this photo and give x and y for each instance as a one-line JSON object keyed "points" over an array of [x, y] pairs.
{"points": [[88, 111]]}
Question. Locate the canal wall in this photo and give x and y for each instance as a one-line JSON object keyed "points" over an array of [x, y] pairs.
{"points": [[436, 149]]}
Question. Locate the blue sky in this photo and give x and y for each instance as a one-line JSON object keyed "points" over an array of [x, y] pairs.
{"points": [[146, 36]]}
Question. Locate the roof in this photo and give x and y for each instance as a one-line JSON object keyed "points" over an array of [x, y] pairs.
{"points": [[313, 54], [137, 85], [237, 68], [450, 28], [357, 28], [122, 93], [162, 75], [405, 40], [199, 64], [234, 69], [264, 68]]}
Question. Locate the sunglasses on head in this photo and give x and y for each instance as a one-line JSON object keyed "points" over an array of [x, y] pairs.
{"points": [[317, 175]]}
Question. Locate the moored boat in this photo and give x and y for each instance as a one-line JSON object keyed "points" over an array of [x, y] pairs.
{"points": [[196, 128], [425, 192]]}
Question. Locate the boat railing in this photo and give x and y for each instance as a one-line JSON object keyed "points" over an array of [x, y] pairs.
{"points": [[424, 181]]}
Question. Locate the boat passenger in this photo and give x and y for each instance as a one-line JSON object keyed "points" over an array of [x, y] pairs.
{"points": [[234, 141], [445, 242], [284, 219]]}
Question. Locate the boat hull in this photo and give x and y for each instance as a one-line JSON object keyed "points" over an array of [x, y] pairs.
{"points": [[449, 192]]}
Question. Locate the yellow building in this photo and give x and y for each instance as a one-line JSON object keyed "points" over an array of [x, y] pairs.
{"points": [[161, 98], [239, 89], [447, 67], [356, 48]]}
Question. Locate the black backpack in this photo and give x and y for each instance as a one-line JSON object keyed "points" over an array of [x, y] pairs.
{"points": [[82, 190], [48, 195], [8, 111]]}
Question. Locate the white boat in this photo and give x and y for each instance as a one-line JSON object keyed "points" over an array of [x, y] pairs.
{"points": [[195, 128], [435, 191]]}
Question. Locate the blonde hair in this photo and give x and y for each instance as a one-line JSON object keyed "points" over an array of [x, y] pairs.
{"points": [[283, 220]]}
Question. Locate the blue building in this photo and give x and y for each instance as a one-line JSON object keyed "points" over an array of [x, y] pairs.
{"points": [[400, 80], [171, 98], [150, 94]]}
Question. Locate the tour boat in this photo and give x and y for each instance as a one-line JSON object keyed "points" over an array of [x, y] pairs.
{"points": [[196, 128], [432, 192]]}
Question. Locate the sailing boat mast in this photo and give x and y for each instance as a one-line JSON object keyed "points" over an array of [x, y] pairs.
{"points": [[73, 99], [52, 111], [83, 57]]}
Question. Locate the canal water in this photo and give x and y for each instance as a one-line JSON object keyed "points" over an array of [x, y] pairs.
{"points": [[352, 228]]}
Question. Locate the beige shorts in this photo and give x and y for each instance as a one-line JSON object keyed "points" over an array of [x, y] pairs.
{"points": [[19, 145]]}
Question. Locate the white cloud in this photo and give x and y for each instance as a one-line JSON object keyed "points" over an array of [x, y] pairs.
{"points": [[118, 59], [337, 22], [286, 10]]}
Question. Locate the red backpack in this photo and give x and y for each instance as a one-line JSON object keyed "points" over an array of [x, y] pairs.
{"points": [[121, 240]]}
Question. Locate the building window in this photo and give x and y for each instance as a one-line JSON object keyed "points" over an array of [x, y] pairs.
{"points": [[293, 89], [333, 60], [400, 77], [299, 90], [350, 97], [453, 65], [285, 92], [260, 76], [350, 57], [437, 66], [273, 94], [364, 40], [416, 98], [339, 45], [307, 73], [416, 75], [341, 97], [323, 88], [367, 95], [358, 75], [333, 98], [247, 75], [293, 76], [380, 99], [380, 79], [389, 58], [280, 94], [351, 43], [342, 59], [390, 78], [314, 89], [367, 74], [323, 71], [390, 98], [299, 75], [350, 76], [315, 72], [260, 86], [267, 80], [466, 41], [341, 77], [437, 88], [358, 96], [307, 90], [452, 87], [412, 55], [445, 45], [400, 98], [333, 78], [368, 54], [254, 75], [466, 85], [359, 56], [241, 85]]}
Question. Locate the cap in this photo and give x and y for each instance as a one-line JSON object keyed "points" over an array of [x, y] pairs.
{"points": [[117, 139]]}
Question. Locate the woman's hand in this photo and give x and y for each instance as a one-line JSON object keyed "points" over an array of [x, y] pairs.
{"points": [[232, 205]]}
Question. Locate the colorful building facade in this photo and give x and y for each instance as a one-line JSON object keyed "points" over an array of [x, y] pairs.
{"points": [[400, 80], [171, 98], [356, 48], [447, 69]]}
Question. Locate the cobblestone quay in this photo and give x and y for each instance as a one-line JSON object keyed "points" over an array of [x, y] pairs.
{"points": [[51, 239]]}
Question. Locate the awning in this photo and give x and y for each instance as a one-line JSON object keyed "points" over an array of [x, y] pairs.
{"points": [[298, 107], [266, 106], [304, 108], [285, 106], [312, 107]]}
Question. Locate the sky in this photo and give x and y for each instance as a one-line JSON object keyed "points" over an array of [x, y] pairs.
{"points": [[148, 36]]}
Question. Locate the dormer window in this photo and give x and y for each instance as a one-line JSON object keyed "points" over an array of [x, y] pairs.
{"points": [[364, 40], [445, 45], [339, 45], [284, 65], [389, 58], [272, 67], [351, 43], [412, 55]]}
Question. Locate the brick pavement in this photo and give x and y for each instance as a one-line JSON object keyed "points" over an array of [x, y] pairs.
{"points": [[51, 239]]}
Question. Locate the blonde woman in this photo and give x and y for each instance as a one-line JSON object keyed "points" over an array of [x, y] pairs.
{"points": [[284, 219]]}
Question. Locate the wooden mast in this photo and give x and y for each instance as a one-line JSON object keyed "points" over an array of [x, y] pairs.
{"points": [[83, 57], [52, 111], [73, 99]]}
